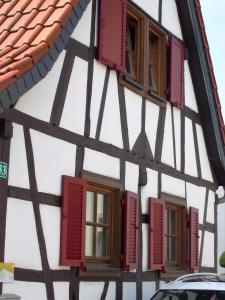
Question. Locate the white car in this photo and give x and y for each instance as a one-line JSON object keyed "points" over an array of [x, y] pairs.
{"points": [[196, 286]]}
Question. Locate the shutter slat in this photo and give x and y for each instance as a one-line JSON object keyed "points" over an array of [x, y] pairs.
{"points": [[176, 72], [156, 234], [193, 239], [73, 217], [131, 213], [112, 33]]}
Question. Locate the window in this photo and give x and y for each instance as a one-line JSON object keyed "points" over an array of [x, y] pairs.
{"points": [[174, 235], [149, 58], [92, 235], [172, 244], [101, 226], [145, 55]]}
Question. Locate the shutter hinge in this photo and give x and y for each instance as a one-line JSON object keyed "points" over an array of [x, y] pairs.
{"points": [[122, 258], [122, 201]]}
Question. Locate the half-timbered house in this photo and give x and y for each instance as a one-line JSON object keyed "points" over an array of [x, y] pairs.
{"points": [[111, 147]]}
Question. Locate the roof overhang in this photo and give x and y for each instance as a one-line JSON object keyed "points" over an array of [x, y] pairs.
{"points": [[26, 61], [203, 86]]}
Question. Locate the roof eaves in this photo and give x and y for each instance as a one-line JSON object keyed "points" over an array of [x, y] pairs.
{"points": [[204, 84], [10, 95]]}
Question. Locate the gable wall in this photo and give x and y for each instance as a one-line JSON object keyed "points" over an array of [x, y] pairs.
{"points": [[88, 121]]}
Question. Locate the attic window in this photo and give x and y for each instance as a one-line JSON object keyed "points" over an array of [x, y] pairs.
{"points": [[145, 55]]}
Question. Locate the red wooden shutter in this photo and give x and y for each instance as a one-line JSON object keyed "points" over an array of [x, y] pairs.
{"points": [[193, 239], [131, 206], [73, 217], [112, 33], [176, 72], [156, 234]]}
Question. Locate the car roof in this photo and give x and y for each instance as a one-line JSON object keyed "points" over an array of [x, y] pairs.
{"points": [[197, 281]]}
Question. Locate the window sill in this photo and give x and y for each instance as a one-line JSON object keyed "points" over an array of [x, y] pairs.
{"points": [[138, 88], [172, 274], [99, 271]]}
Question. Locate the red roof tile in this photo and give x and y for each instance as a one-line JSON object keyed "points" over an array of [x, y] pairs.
{"points": [[28, 28]]}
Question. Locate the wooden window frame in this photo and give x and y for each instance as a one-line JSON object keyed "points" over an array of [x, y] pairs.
{"points": [[180, 205], [161, 64], [96, 189], [101, 267], [179, 263], [140, 86], [138, 18]]}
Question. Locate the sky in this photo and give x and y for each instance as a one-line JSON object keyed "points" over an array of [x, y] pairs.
{"points": [[214, 17]]}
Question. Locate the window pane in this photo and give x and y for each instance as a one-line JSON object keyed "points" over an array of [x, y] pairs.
{"points": [[101, 242], [90, 207], [167, 221], [167, 248], [131, 47], [89, 241], [153, 61], [173, 222], [102, 208], [173, 249]]}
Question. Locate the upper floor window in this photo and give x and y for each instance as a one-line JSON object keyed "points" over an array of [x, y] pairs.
{"points": [[149, 58], [145, 55]]}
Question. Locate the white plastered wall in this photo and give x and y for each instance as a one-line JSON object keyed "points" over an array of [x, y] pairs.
{"points": [[133, 108], [170, 19], [210, 218], [131, 177], [129, 291], [38, 101], [26, 290], [150, 7], [167, 149], [111, 125], [51, 217], [177, 132], [111, 294], [61, 290], [151, 123], [148, 289], [190, 99], [73, 116], [52, 158], [196, 198], [190, 155], [220, 232], [208, 250], [100, 163], [21, 242], [204, 160], [150, 189], [173, 186], [18, 172], [97, 89], [83, 28], [91, 290]]}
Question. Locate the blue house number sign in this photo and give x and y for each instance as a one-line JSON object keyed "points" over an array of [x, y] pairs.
{"points": [[3, 169]]}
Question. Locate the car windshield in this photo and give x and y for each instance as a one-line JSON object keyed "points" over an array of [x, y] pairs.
{"points": [[189, 295]]}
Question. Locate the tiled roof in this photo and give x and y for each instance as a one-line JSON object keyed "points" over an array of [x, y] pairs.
{"points": [[211, 71], [28, 29]]}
